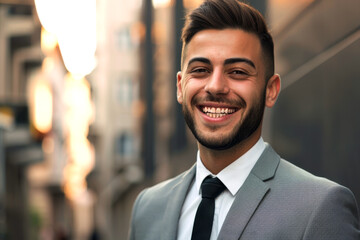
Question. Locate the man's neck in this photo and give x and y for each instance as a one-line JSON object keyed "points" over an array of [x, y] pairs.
{"points": [[217, 160]]}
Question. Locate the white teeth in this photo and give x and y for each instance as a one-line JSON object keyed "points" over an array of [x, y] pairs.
{"points": [[215, 115], [217, 112]]}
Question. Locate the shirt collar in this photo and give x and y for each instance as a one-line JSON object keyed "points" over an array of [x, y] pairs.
{"points": [[239, 169]]}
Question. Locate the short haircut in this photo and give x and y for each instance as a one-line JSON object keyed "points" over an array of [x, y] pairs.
{"points": [[233, 14]]}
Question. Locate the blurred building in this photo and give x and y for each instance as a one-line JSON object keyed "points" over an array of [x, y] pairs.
{"points": [[37, 156], [20, 54], [116, 131], [315, 122]]}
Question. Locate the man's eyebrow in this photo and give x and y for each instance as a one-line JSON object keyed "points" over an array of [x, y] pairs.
{"points": [[236, 60], [199, 59]]}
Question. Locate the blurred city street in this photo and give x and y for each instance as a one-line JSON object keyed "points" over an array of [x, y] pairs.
{"points": [[89, 117]]}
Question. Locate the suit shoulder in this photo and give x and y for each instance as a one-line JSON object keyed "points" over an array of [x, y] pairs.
{"points": [[322, 207], [294, 174], [151, 204], [293, 178], [159, 193], [164, 186]]}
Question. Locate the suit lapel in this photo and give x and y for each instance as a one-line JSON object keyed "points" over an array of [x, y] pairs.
{"points": [[174, 205], [250, 195]]}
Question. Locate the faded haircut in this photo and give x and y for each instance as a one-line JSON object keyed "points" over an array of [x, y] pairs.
{"points": [[233, 14]]}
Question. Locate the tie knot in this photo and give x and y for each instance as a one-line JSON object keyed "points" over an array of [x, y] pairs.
{"points": [[212, 187]]}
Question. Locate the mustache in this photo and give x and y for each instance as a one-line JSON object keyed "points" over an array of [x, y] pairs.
{"points": [[219, 99]]}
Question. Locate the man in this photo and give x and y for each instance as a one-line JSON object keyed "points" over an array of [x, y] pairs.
{"points": [[227, 79]]}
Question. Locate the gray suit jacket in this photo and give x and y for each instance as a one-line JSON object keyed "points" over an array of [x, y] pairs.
{"points": [[277, 201]]}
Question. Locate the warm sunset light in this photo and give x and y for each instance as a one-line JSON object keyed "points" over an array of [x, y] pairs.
{"points": [[42, 107], [74, 25], [78, 117], [48, 41], [161, 3], [190, 4]]}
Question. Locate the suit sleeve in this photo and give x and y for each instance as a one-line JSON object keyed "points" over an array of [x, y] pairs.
{"points": [[335, 217], [132, 232]]}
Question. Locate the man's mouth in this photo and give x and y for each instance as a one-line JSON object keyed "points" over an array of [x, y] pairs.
{"points": [[217, 112]]}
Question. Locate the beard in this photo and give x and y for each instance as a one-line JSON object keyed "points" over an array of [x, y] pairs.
{"points": [[245, 128]]}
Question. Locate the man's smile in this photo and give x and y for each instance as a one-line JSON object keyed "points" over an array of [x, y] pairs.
{"points": [[217, 112]]}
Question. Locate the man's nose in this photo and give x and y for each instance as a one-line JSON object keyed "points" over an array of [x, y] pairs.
{"points": [[217, 84]]}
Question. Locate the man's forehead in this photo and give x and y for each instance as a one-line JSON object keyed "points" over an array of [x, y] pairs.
{"points": [[226, 43]]}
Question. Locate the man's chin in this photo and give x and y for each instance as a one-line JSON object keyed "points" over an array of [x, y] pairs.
{"points": [[215, 144], [217, 147]]}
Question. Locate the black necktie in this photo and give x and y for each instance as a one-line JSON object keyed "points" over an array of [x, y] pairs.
{"points": [[210, 189]]}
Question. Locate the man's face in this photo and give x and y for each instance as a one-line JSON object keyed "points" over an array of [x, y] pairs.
{"points": [[222, 87]]}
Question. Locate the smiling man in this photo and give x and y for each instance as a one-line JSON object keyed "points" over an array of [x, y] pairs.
{"points": [[239, 187], [223, 92]]}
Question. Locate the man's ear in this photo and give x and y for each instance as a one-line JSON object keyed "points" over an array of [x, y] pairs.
{"points": [[272, 90], [179, 88]]}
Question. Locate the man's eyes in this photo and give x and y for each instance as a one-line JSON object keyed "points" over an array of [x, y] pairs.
{"points": [[238, 72], [199, 70], [233, 73]]}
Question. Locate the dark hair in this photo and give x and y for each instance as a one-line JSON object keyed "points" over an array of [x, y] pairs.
{"points": [[222, 14]]}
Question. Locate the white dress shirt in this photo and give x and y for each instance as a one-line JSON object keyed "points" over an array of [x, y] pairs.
{"points": [[233, 177]]}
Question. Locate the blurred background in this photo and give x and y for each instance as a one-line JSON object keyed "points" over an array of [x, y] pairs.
{"points": [[88, 111]]}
